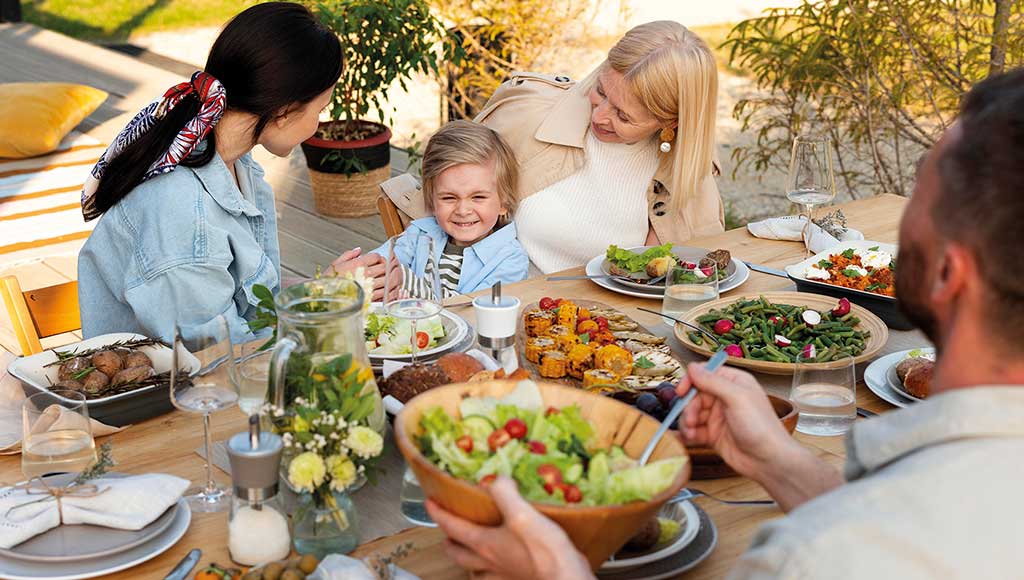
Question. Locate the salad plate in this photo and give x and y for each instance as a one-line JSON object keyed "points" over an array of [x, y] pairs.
{"points": [[737, 274], [685, 514], [388, 337]]}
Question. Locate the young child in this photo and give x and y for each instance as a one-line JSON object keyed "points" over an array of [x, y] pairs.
{"points": [[469, 183]]}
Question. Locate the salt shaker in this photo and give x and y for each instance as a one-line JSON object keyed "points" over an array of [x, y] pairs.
{"points": [[257, 527], [496, 318]]}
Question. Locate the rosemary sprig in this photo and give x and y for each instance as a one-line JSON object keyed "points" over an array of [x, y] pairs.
{"points": [[83, 373], [104, 462], [383, 567], [162, 379], [64, 355]]}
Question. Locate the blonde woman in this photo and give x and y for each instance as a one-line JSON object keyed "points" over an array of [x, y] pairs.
{"points": [[623, 157]]}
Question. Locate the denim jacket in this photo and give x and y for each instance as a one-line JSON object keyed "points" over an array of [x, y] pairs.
{"points": [[498, 257], [182, 248]]}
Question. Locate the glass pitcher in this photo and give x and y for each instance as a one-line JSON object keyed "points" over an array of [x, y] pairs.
{"points": [[320, 344]]}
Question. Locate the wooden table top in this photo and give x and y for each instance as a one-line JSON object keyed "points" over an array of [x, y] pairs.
{"points": [[166, 443]]}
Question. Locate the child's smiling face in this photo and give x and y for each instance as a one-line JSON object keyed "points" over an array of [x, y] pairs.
{"points": [[466, 202]]}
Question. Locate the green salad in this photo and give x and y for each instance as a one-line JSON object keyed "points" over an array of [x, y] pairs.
{"points": [[385, 334], [633, 262], [548, 451]]}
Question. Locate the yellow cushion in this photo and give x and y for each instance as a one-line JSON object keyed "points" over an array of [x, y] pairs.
{"points": [[34, 117]]}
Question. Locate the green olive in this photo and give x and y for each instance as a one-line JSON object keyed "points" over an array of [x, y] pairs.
{"points": [[308, 563], [293, 574], [254, 574], [273, 570]]}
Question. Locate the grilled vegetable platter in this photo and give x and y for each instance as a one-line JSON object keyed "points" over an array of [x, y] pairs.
{"points": [[593, 346], [771, 332]]}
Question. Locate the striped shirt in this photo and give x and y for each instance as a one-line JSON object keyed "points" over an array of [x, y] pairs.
{"points": [[449, 268]]}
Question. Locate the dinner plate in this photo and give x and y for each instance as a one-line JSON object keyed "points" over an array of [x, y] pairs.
{"points": [[683, 512], [594, 268], [702, 545], [12, 569], [876, 377], [868, 321], [687, 253], [456, 329], [894, 379]]}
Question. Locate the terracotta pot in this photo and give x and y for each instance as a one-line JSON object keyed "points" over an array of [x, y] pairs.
{"points": [[598, 531]]}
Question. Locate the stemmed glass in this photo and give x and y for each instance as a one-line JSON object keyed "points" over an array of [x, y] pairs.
{"points": [[811, 181], [414, 300], [202, 381], [56, 436], [252, 376]]}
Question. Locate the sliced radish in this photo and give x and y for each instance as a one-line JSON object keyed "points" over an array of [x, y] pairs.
{"points": [[777, 319], [811, 317], [782, 341], [723, 326], [809, 351], [734, 350], [842, 309]]}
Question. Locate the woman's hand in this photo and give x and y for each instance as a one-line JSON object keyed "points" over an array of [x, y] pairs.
{"points": [[733, 416], [526, 545], [372, 265]]}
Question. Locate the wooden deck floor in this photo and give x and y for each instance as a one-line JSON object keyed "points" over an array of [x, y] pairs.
{"points": [[32, 54]]}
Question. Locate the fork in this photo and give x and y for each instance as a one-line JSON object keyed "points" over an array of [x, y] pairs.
{"points": [[690, 493]]}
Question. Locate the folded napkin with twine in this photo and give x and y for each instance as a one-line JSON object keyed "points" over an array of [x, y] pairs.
{"points": [[124, 503], [791, 228], [11, 396]]}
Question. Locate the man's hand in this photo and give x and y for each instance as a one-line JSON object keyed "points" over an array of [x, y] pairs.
{"points": [[733, 416], [372, 264], [526, 545]]}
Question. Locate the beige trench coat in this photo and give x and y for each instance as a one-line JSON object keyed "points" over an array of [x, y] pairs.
{"points": [[545, 120]]}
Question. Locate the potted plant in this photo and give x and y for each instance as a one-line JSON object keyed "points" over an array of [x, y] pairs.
{"points": [[382, 42]]}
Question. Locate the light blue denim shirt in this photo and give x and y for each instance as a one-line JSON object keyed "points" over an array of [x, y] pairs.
{"points": [[182, 247], [498, 257]]}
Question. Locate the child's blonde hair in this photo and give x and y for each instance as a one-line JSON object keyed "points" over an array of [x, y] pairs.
{"points": [[465, 142], [672, 73]]}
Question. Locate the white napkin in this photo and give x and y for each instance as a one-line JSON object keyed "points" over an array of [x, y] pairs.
{"points": [[338, 567], [129, 503], [791, 228], [393, 405]]}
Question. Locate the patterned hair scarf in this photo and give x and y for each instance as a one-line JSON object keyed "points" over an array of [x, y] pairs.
{"points": [[212, 97]]}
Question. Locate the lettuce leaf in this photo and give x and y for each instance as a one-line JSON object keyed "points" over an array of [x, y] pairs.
{"points": [[503, 462], [641, 483], [456, 461], [634, 262]]}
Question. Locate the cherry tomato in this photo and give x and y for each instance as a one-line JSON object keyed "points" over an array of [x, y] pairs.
{"points": [[550, 474], [572, 493], [537, 447], [550, 488], [551, 411], [546, 303], [465, 443], [587, 326], [488, 479], [602, 322], [499, 438], [516, 428], [583, 314], [422, 340], [558, 302]]}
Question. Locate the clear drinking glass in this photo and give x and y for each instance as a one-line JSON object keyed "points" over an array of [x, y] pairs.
{"points": [[252, 377], [688, 285], [202, 381], [56, 434], [825, 394], [811, 181], [417, 300]]}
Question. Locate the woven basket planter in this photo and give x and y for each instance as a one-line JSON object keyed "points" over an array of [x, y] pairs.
{"points": [[353, 195]]}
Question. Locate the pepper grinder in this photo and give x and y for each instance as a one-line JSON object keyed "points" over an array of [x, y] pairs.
{"points": [[257, 527], [496, 319]]}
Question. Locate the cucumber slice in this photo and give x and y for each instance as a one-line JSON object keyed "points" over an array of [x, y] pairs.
{"points": [[478, 426]]}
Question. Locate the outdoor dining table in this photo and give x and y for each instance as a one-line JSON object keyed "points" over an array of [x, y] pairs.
{"points": [[168, 443]]}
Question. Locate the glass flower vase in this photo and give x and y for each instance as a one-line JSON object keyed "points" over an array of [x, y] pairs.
{"points": [[325, 525]]}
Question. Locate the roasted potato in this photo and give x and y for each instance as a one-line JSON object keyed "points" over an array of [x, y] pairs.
{"points": [[95, 381], [70, 384], [108, 362], [136, 359], [660, 266], [72, 367], [131, 375], [645, 537]]}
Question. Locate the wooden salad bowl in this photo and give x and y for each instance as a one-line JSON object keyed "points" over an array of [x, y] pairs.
{"points": [[868, 321], [707, 464], [599, 531]]}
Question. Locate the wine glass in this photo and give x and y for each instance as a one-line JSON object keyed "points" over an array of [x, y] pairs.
{"points": [[811, 181], [416, 299], [202, 379], [252, 376], [825, 395], [56, 434]]}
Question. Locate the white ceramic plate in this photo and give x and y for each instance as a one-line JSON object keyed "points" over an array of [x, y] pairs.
{"points": [[455, 329], [675, 565], [21, 570], [686, 253], [799, 270], [894, 379], [595, 268], [683, 512], [876, 376], [32, 370]]}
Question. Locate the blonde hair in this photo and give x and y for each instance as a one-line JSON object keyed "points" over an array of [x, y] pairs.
{"points": [[464, 142], [672, 73]]}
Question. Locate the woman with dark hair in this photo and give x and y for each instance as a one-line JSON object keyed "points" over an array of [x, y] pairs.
{"points": [[188, 224]]}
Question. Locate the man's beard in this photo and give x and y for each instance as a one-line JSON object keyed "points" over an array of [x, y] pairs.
{"points": [[912, 290]]}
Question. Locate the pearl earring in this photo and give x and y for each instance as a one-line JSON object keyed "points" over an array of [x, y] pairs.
{"points": [[666, 136]]}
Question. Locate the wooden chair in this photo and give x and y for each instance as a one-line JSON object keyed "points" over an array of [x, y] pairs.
{"points": [[395, 220], [40, 313]]}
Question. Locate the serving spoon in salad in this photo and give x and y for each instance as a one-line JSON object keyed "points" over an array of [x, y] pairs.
{"points": [[677, 408]]}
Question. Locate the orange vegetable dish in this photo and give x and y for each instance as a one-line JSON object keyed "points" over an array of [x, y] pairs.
{"points": [[878, 281]]}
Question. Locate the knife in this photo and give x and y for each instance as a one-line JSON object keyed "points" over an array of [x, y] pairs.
{"points": [[766, 270], [185, 566]]}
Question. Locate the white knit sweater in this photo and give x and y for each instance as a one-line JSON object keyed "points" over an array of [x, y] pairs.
{"points": [[603, 203]]}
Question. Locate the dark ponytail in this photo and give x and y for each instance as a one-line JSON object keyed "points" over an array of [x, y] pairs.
{"points": [[270, 58]]}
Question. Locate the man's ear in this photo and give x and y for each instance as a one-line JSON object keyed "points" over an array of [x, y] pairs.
{"points": [[958, 270]]}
